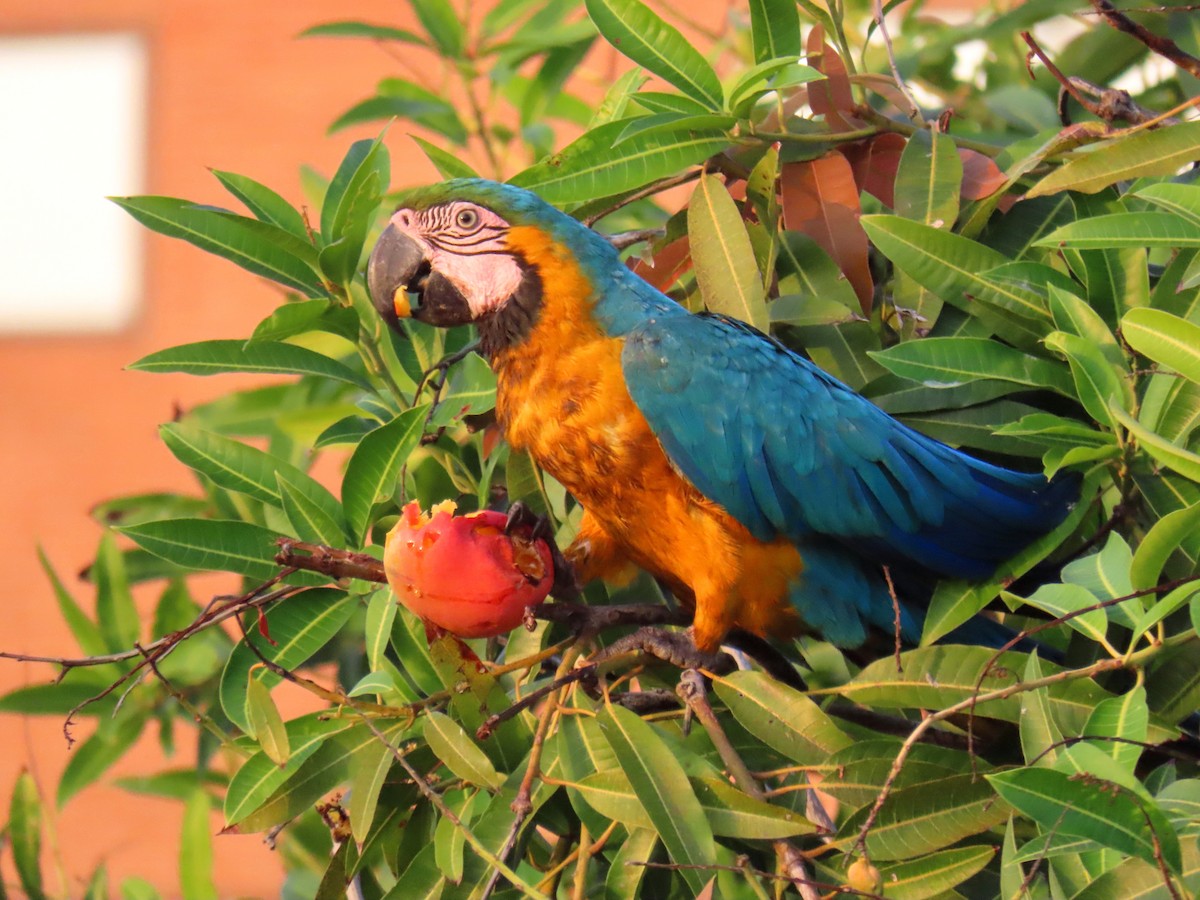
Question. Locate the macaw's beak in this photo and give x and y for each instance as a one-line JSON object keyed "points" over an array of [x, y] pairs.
{"points": [[399, 274]]}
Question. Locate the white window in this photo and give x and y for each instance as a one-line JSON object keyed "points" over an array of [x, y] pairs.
{"points": [[72, 127]]}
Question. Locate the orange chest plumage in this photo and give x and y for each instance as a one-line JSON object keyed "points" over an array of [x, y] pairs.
{"points": [[561, 395]]}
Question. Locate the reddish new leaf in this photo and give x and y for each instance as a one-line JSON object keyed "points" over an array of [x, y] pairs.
{"points": [[820, 199], [831, 98], [875, 163], [666, 266], [981, 176]]}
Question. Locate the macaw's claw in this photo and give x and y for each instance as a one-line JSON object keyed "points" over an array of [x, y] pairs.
{"points": [[674, 647], [523, 519]]}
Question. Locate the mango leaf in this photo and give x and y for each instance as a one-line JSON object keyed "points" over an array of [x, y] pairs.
{"points": [[956, 360], [266, 725], [774, 29], [458, 751], [299, 627], [806, 271], [231, 464], [730, 813], [1090, 808], [372, 471], [961, 805], [267, 357], [663, 789], [1165, 338], [1135, 879], [1170, 455], [1127, 718], [116, 615], [625, 874], [25, 835], [348, 208], [639, 33], [1098, 384], [266, 205], [1183, 199], [259, 247], [928, 180], [442, 23], [933, 875], [781, 717], [951, 266], [1161, 151], [314, 513], [398, 98], [370, 767], [821, 199], [196, 850], [1041, 738], [357, 29], [724, 260], [98, 753], [447, 164], [590, 167], [1128, 229], [1163, 539]]}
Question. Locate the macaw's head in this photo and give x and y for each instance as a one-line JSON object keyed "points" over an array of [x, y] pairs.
{"points": [[464, 251]]}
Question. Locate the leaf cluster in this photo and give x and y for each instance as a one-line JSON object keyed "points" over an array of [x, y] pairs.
{"points": [[1022, 288]]}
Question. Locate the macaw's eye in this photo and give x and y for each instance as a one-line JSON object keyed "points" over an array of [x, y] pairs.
{"points": [[466, 219]]}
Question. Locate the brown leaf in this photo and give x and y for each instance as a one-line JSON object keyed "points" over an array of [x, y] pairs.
{"points": [[820, 198], [667, 266], [981, 176], [875, 163], [831, 98]]}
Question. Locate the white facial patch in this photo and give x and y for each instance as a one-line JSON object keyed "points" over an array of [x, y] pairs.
{"points": [[466, 244]]}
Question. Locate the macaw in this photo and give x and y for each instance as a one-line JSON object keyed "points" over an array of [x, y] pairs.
{"points": [[764, 493]]}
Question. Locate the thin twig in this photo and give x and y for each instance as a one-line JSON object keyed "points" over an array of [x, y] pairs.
{"points": [[1163, 46], [914, 109]]}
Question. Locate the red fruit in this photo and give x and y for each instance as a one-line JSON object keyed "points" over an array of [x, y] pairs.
{"points": [[463, 573]]}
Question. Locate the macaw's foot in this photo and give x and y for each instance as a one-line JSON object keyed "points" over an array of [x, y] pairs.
{"points": [[674, 647], [524, 520]]}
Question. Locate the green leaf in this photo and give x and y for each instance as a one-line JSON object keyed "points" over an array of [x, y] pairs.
{"points": [[268, 357], [299, 627], [259, 247], [370, 766], [1090, 808], [1170, 455], [663, 788], [447, 164], [725, 269], [1135, 879], [1098, 383], [196, 851], [266, 205], [952, 267], [471, 390], [1182, 199], [97, 754], [1162, 151], [314, 513], [1126, 717], [950, 361], [356, 29], [1163, 539], [442, 24], [211, 545], [774, 29], [1075, 316], [375, 465], [1128, 229], [781, 717], [625, 875], [381, 614], [590, 167], [638, 33], [349, 206], [931, 876], [397, 98], [25, 835], [452, 745], [928, 180], [266, 725], [116, 615], [259, 777], [87, 633], [1041, 738], [927, 817], [231, 464], [729, 812], [1165, 338]]}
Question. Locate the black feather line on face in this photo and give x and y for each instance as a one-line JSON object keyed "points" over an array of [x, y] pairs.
{"points": [[512, 322]]}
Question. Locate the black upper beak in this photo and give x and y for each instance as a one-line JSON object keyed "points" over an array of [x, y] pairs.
{"points": [[397, 269], [394, 266]]}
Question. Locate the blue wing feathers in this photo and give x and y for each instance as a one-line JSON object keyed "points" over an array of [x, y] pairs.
{"points": [[789, 450]]}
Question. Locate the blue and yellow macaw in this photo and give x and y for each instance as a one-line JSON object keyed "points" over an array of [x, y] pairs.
{"points": [[766, 494]]}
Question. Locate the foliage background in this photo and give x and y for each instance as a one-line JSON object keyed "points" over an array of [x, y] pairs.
{"points": [[1049, 306]]}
